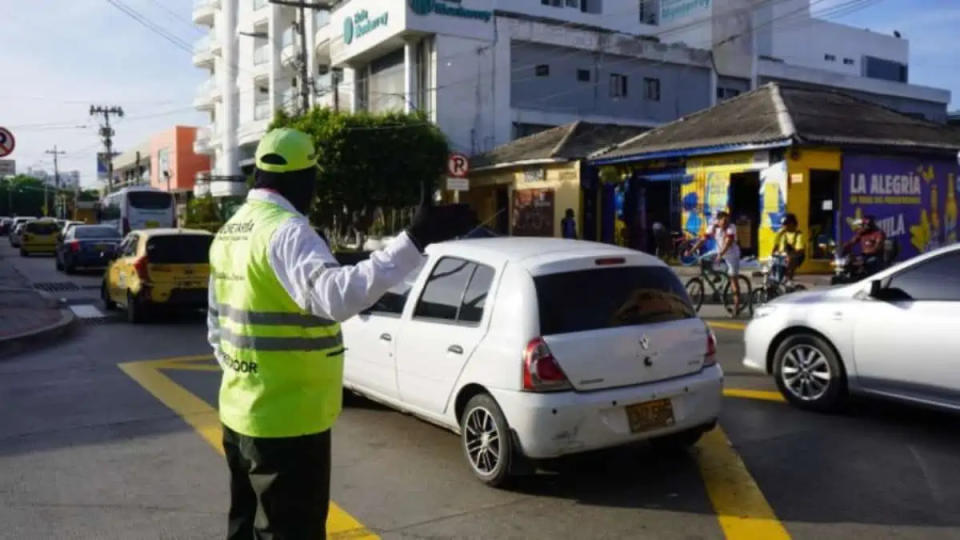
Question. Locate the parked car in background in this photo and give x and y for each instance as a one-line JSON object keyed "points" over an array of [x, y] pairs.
{"points": [[894, 335], [86, 246], [14, 236], [5, 225], [158, 268], [535, 348], [38, 236]]}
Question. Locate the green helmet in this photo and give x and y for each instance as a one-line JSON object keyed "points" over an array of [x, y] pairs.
{"points": [[285, 150]]}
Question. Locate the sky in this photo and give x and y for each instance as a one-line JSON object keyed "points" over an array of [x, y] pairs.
{"points": [[58, 57]]}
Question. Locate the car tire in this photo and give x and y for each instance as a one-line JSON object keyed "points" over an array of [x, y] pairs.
{"points": [[23, 253], [69, 268], [809, 373], [486, 440], [136, 311], [105, 296], [677, 442], [57, 263]]}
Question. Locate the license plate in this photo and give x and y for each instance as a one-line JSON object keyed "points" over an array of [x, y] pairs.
{"points": [[153, 224], [650, 415]]}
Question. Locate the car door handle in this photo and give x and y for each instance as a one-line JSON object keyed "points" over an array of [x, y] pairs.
{"points": [[455, 349], [386, 337]]}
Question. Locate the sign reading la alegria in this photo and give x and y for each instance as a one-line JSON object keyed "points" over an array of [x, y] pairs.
{"points": [[914, 200]]}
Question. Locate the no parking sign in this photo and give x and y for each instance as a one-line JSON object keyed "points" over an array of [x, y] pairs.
{"points": [[7, 142]]}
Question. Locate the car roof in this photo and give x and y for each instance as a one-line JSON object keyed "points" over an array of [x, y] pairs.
{"points": [[533, 252], [150, 233]]}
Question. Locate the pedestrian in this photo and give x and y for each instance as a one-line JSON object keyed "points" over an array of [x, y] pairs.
{"points": [[277, 296], [569, 225]]}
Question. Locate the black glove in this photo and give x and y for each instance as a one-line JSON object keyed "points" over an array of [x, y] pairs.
{"points": [[435, 224]]}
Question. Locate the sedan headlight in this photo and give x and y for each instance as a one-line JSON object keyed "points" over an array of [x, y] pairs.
{"points": [[764, 310]]}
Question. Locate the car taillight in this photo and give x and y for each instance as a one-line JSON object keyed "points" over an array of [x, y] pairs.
{"points": [[75, 246], [541, 372], [126, 226], [710, 356], [140, 265]]}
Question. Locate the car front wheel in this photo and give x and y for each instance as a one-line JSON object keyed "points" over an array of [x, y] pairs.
{"points": [[809, 374], [486, 440], [136, 311]]}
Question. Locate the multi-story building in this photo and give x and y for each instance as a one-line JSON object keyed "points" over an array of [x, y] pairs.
{"points": [[488, 71]]}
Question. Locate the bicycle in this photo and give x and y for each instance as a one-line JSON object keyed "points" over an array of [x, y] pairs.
{"points": [[774, 282], [719, 283], [680, 243]]}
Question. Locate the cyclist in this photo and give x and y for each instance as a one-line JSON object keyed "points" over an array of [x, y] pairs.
{"points": [[871, 239], [789, 243], [725, 235]]}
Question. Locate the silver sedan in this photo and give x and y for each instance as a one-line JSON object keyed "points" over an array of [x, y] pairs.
{"points": [[895, 334]]}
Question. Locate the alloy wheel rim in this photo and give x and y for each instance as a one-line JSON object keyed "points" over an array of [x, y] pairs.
{"points": [[805, 372], [482, 440]]}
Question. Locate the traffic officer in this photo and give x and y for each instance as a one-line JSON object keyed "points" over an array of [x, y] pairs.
{"points": [[277, 296]]}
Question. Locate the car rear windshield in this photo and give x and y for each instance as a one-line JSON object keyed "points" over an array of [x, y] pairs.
{"points": [[41, 227], [148, 200], [609, 297], [179, 249], [96, 232]]}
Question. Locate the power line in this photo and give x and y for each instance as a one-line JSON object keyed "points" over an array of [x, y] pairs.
{"points": [[173, 14], [135, 15]]}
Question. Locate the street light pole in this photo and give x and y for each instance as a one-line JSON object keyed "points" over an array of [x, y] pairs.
{"points": [[56, 177]]}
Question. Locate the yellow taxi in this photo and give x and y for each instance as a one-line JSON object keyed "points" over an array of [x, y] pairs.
{"points": [[158, 269], [39, 236]]}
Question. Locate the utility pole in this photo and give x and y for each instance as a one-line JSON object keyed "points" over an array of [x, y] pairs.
{"points": [[302, 30], [56, 178], [106, 132]]}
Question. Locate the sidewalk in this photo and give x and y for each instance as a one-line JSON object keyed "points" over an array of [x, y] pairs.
{"points": [[26, 313]]}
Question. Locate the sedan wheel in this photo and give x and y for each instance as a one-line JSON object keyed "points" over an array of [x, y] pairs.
{"points": [[809, 374], [486, 440]]}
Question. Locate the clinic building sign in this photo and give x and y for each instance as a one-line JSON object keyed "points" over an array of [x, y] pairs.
{"points": [[448, 8], [913, 200], [361, 24]]}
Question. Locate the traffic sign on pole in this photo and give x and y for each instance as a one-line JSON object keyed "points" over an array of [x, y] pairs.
{"points": [[7, 142], [458, 165]]}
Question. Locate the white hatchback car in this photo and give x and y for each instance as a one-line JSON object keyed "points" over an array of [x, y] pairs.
{"points": [[537, 348], [896, 335]]}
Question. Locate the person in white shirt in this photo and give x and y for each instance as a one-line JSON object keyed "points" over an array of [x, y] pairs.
{"points": [[725, 236]]}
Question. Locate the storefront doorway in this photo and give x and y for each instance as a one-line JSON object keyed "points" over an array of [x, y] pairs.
{"points": [[745, 209], [824, 208]]}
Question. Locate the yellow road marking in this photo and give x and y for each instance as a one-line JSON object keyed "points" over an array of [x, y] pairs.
{"points": [[727, 325], [206, 421], [765, 395], [742, 510], [191, 367]]}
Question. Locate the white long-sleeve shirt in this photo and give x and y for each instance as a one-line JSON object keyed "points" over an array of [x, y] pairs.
{"points": [[310, 274]]}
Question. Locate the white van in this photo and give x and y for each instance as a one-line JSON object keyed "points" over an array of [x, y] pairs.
{"points": [[137, 208]]}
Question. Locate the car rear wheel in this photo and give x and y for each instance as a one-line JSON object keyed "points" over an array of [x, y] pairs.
{"points": [[105, 296], [809, 374], [486, 440], [56, 259], [136, 311]]}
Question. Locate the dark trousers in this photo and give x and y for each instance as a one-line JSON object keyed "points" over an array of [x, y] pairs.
{"points": [[279, 488]]}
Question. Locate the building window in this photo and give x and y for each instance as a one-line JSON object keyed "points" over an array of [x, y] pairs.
{"points": [[583, 75], [649, 11], [543, 70], [651, 89], [573, 3], [554, 3], [618, 85], [878, 68], [726, 93], [830, 57], [591, 6], [261, 99], [848, 61]]}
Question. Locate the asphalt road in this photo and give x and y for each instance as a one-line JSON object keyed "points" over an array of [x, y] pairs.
{"points": [[98, 441]]}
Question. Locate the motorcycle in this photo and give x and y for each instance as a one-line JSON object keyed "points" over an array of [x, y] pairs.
{"points": [[851, 269]]}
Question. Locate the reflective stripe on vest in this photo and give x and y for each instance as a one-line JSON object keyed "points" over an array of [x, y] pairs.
{"points": [[283, 367]]}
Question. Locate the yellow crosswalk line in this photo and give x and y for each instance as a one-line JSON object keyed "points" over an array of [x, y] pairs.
{"points": [[206, 421]]}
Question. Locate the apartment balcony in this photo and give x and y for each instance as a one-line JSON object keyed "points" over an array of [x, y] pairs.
{"points": [[203, 141], [227, 186], [261, 59], [203, 55], [208, 93], [288, 47], [205, 11], [201, 184], [260, 4], [262, 111]]}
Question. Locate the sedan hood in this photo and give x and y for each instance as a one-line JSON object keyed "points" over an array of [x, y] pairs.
{"points": [[820, 296]]}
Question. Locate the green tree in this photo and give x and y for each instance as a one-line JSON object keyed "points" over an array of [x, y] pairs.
{"points": [[89, 195], [369, 162], [22, 195], [203, 213]]}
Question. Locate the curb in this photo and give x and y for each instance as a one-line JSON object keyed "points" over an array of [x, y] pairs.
{"points": [[64, 325]]}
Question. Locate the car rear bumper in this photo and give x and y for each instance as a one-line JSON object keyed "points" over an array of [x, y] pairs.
{"points": [[555, 424], [38, 248], [185, 298]]}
